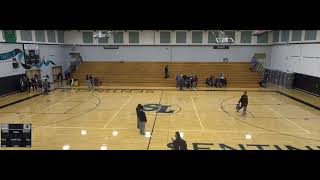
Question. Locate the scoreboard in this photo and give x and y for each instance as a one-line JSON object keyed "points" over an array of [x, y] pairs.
{"points": [[16, 135]]}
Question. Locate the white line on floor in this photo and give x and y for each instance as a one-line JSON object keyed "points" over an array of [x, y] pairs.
{"points": [[124, 104], [308, 132], [197, 113]]}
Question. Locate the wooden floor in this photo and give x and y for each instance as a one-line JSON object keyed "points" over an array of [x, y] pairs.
{"points": [[206, 118]]}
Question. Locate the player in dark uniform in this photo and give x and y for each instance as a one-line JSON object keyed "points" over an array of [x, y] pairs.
{"points": [[244, 103], [137, 111], [179, 143]]}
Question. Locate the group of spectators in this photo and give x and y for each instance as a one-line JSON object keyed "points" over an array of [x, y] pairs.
{"points": [[36, 83], [186, 81], [220, 81], [92, 82]]}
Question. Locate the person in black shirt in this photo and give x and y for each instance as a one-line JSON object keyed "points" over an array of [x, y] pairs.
{"points": [[34, 84], [179, 143], [137, 111], [28, 84], [244, 103], [91, 81], [166, 72]]}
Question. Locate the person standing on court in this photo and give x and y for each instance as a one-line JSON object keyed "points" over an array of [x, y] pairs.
{"points": [[137, 111], [88, 82], [91, 81], [181, 82], [179, 143], [244, 103], [166, 72], [142, 121], [46, 87], [29, 84]]}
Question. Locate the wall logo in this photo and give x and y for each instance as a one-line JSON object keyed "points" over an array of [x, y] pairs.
{"points": [[20, 55], [160, 108]]}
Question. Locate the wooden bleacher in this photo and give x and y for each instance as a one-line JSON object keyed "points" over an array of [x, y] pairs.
{"points": [[151, 74]]}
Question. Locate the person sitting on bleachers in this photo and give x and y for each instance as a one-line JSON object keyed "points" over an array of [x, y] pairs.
{"points": [[187, 82], [210, 81], [177, 80], [195, 81], [222, 81], [97, 82]]}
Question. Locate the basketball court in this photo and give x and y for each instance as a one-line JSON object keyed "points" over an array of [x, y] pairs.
{"points": [[127, 68], [206, 118]]}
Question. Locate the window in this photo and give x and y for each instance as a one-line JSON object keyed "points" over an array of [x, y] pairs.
{"points": [[181, 37], [230, 34], [118, 37], [197, 37], [9, 36], [285, 36], [310, 35], [133, 37], [40, 36], [51, 36], [165, 37], [87, 37], [263, 38], [211, 37], [26, 35], [246, 36], [296, 35], [60, 37], [275, 36]]}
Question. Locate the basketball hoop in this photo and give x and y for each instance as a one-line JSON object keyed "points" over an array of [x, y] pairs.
{"points": [[224, 40], [101, 34], [221, 37]]}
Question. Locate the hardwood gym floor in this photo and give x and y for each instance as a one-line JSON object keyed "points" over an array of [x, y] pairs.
{"points": [[207, 119]]}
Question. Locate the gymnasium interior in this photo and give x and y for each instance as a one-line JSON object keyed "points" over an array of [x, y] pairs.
{"points": [[279, 70]]}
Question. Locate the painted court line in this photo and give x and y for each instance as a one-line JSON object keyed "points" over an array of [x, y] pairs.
{"points": [[258, 132], [308, 132], [117, 112], [197, 113]]}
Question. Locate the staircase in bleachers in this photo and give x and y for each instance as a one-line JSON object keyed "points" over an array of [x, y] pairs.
{"points": [[151, 74]]}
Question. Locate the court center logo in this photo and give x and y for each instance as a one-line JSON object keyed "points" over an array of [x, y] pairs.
{"points": [[161, 109]]}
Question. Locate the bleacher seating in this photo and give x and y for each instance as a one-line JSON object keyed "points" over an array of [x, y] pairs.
{"points": [[151, 74]]}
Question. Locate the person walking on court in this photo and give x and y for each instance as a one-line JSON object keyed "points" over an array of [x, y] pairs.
{"points": [[244, 103], [142, 121], [46, 87], [179, 143], [181, 82], [166, 72], [137, 111]]}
